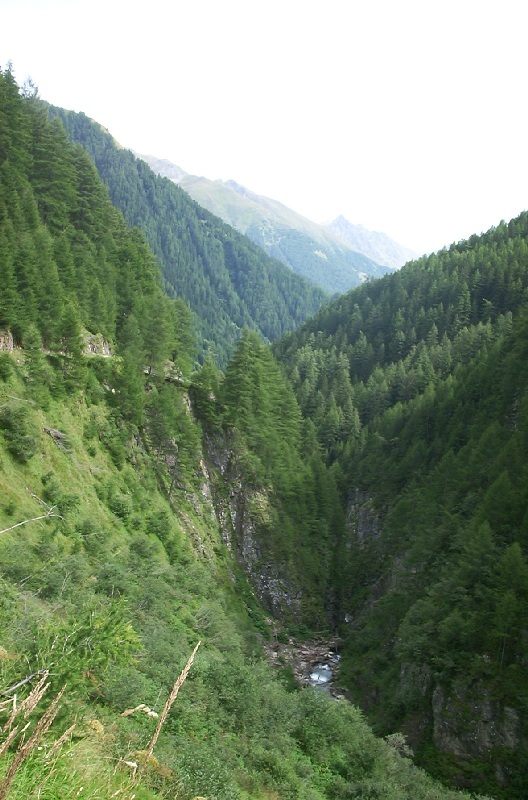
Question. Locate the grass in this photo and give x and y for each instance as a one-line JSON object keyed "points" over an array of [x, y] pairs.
{"points": [[35, 765]]}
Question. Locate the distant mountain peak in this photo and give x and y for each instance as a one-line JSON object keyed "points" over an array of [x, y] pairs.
{"points": [[236, 186], [374, 244], [162, 166]]}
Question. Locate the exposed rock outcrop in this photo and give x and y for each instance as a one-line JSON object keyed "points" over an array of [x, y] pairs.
{"points": [[363, 520], [242, 512], [96, 345], [6, 342], [468, 723]]}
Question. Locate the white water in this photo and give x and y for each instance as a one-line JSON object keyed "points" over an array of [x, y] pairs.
{"points": [[322, 675]]}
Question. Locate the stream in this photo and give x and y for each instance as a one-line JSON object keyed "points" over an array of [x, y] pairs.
{"points": [[313, 663], [322, 676]]}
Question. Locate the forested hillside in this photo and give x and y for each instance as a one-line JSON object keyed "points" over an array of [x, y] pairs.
{"points": [[132, 489], [418, 385], [227, 281]]}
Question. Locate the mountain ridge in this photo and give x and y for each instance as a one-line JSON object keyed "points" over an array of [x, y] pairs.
{"points": [[375, 244], [307, 248]]}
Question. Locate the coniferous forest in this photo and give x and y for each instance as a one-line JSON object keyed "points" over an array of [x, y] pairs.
{"points": [[172, 485]]}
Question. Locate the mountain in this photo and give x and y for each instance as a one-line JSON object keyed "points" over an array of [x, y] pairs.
{"points": [[378, 246], [306, 248], [227, 281], [136, 497], [417, 386]]}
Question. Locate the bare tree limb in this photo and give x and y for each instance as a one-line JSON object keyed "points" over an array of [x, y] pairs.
{"points": [[11, 689], [33, 519], [49, 513]]}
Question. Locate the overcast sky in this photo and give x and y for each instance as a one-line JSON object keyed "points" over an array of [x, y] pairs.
{"points": [[407, 116]]}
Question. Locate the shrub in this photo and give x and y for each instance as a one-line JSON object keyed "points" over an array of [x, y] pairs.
{"points": [[19, 434], [6, 367]]}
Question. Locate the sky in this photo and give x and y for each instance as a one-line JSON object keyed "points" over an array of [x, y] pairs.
{"points": [[406, 116]]}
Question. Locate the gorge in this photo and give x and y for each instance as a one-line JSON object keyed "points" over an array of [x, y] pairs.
{"points": [[364, 477]]}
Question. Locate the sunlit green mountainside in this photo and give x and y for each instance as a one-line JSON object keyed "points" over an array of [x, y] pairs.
{"points": [[308, 249], [378, 246], [418, 388], [227, 281], [127, 484]]}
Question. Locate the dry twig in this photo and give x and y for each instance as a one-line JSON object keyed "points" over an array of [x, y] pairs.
{"points": [[41, 728], [170, 702]]}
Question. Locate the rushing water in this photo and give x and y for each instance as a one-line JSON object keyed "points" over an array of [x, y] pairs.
{"points": [[322, 675]]}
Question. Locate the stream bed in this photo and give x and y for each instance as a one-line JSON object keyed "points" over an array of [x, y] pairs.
{"points": [[313, 663], [322, 676]]}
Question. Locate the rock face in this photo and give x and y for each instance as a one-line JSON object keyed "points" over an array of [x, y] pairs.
{"points": [[96, 345], [363, 521], [247, 512], [6, 341], [468, 724], [375, 245], [242, 514]]}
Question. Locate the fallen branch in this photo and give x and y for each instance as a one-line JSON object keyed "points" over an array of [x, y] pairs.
{"points": [[21, 399], [142, 707], [49, 513], [40, 673]]}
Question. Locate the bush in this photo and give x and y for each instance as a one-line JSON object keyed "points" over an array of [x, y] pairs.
{"points": [[120, 505], [6, 367], [19, 434], [54, 495]]}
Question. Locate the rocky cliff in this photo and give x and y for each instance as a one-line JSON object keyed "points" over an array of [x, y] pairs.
{"points": [[242, 513]]}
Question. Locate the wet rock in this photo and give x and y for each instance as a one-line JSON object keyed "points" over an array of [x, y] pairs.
{"points": [[313, 663]]}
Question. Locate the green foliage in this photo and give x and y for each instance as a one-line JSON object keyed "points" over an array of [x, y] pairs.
{"points": [[6, 367], [204, 392], [18, 431]]}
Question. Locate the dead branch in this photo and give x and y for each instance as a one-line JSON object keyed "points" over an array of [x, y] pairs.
{"points": [[49, 513], [33, 519], [142, 707]]}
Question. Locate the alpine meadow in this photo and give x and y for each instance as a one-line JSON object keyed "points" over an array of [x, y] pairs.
{"points": [[209, 469]]}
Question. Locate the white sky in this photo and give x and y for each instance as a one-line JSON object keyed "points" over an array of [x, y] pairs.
{"points": [[408, 116]]}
